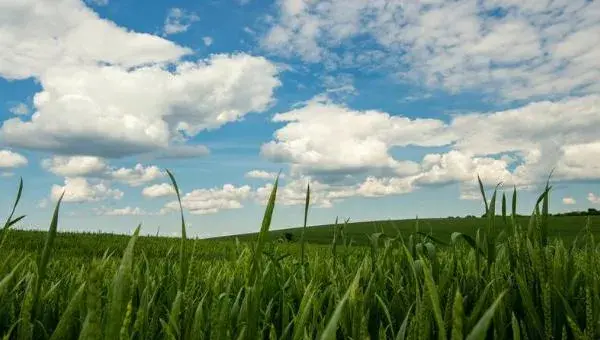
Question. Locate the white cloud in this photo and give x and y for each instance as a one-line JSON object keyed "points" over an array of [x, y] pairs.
{"points": [[20, 109], [39, 35], [109, 111], [209, 201], [516, 147], [179, 20], [593, 198], [96, 167], [207, 41], [110, 92], [79, 190], [531, 49], [158, 190], [7, 174], [313, 140], [10, 159], [126, 211], [75, 166], [568, 200], [137, 175], [261, 174]]}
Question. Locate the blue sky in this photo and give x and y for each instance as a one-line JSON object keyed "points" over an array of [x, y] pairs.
{"points": [[389, 109]]}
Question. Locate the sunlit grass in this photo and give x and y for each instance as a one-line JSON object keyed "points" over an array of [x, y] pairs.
{"points": [[505, 281]]}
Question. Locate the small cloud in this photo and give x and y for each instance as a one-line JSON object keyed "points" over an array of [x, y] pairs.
{"points": [[127, 211], [158, 190], [20, 109], [249, 30], [98, 2], [207, 41], [593, 198], [261, 174], [414, 98], [7, 174], [9, 159], [178, 21], [569, 200]]}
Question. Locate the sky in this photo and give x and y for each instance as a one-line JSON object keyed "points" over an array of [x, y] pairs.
{"points": [[389, 109]]}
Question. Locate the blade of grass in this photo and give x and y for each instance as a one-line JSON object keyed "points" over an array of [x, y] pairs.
{"points": [[44, 256], [120, 292], [264, 229], [480, 330], [302, 240], [183, 259]]}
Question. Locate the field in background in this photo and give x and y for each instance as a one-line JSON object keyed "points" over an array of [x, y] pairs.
{"points": [[492, 278], [95, 244]]}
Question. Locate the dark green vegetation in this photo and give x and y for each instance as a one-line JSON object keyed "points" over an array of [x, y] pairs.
{"points": [[503, 278], [564, 227]]}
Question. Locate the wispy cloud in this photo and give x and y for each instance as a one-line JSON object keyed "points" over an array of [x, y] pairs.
{"points": [[179, 20]]}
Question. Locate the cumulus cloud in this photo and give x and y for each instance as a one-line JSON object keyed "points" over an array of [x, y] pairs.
{"points": [[79, 190], [158, 190], [523, 50], [210, 201], [207, 41], [75, 166], [592, 198], [96, 167], [313, 140], [518, 147], [10, 159], [568, 200], [137, 175], [111, 92]]}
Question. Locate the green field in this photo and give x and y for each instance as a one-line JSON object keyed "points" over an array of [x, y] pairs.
{"points": [[498, 278], [565, 227]]}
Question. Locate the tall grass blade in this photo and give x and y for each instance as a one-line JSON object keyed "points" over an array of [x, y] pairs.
{"points": [[329, 333], [183, 258], [483, 194], [264, 229], [480, 330], [302, 240], [120, 291], [44, 257]]}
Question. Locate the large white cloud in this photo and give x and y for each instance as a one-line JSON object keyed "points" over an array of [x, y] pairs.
{"points": [[209, 201], [520, 49], [75, 166], [36, 35], [110, 92], [517, 147], [11, 159], [98, 168], [327, 137], [79, 190], [110, 111]]}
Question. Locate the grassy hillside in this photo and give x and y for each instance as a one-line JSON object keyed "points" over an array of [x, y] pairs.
{"points": [[565, 227]]}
